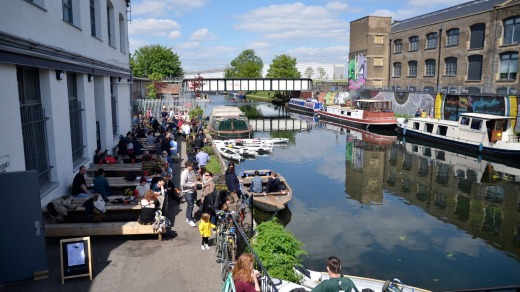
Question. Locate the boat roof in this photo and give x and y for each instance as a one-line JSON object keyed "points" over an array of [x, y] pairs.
{"points": [[226, 111], [485, 116]]}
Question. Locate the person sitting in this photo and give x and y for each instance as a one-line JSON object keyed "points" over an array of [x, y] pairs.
{"points": [[101, 185], [245, 277], [256, 183], [99, 156], [273, 183], [418, 113], [149, 204], [336, 282], [150, 139], [79, 185], [143, 187]]}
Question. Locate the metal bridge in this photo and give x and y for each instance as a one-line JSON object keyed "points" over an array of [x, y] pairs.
{"points": [[276, 124], [245, 84]]}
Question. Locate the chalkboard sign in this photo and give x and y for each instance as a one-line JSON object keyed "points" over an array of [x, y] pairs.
{"points": [[76, 258]]}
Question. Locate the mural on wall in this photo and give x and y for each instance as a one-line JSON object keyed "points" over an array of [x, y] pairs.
{"points": [[357, 72]]}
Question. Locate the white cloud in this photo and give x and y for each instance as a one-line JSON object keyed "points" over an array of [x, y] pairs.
{"points": [[136, 44], [202, 34], [174, 35], [259, 45], [188, 45], [152, 26], [156, 8], [336, 6]]}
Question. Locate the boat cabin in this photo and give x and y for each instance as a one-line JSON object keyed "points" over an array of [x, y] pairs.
{"points": [[495, 126], [373, 105]]}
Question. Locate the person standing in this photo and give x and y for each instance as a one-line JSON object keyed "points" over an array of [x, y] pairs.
{"points": [[336, 282], [188, 184], [232, 182], [173, 148], [205, 230], [79, 185], [202, 158]]}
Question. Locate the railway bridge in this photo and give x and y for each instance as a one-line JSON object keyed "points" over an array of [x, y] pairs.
{"points": [[200, 84]]}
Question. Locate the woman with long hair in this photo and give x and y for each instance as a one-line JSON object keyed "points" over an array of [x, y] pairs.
{"points": [[244, 276]]}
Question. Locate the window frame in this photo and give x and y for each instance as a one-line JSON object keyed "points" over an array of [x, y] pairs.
{"points": [[398, 46], [429, 67], [473, 30], [452, 37], [414, 43], [512, 61], [431, 41], [66, 6], [75, 117], [450, 67], [410, 71], [515, 26], [396, 71]]}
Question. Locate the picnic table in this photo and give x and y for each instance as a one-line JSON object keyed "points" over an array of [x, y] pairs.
{"points": [[116, 182]]}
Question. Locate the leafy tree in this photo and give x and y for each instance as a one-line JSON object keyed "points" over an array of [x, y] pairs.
{"points": [[309, 72], [283, 66], [278, 250], [155, 86], [246, 65], [322, 75], [155, 59]]}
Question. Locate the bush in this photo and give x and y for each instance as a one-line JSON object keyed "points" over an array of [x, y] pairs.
{"points": [[214, 165], [208, 149], [278, 250]]}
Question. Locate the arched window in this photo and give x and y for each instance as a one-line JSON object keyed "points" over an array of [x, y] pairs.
{"points": [[431, 40], [111, 24], [397, 70], [412, 68], [478, 33], [429, 69], [511, 31], [452, 37], [508, 65], [450, 66], [122, 34], [398, 46], [414, 43]]}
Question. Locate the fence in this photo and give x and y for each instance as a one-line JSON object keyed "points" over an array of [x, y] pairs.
{"points": [[177, 104]]}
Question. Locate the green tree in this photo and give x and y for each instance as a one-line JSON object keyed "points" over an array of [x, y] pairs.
{"points": [[309, 72], [155, 59], [278, 250], [283, 66], [246, 65], [155, 86]]}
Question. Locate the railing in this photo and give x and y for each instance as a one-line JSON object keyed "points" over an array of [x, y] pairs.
{"points": [[266, 283]]}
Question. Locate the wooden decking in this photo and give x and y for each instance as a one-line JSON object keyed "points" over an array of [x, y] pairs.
{"points": [[92, 229], [116, 182]]}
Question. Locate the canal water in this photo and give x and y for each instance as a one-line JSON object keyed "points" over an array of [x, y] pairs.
{"points": [[396, 209]]}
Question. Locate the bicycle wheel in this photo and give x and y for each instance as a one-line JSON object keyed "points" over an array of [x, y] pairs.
{"points": [[232, 249], [225, 271], [225, 254]]}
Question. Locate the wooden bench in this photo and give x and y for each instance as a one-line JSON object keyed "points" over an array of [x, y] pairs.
{"points": [[93, 229], [116, 182], [116, 169]]}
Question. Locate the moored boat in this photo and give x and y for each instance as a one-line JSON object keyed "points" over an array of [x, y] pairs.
{"points": [[480, 133], [268, 202], [312, 279], [229, 122], [229, 153], [307, 106], [364, 113]]}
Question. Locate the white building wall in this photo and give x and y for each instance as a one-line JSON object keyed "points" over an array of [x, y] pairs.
{"points": [[42, 24]]}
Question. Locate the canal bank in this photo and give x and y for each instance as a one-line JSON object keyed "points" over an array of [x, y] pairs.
{"points": [[139, 263]]}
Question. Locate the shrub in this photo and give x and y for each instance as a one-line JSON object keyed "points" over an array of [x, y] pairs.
{"points": [[278, 250], [214, 165]]}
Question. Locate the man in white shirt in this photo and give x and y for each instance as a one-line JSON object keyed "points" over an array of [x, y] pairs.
{"points": [[186, 129]]}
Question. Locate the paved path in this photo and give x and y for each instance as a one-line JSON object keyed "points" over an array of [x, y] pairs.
{"points": [[139, 263]]}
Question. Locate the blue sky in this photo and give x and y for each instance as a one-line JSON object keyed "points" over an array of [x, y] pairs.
{"points": [[208, 34]]}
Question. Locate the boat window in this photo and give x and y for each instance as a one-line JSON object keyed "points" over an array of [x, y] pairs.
{"points": [[499, 125], [476, 124], [442, 130], [416, 126], [464, 121], [429, 127]]}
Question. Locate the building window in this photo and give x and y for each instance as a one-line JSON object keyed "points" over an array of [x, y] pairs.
{"points": [[431, 40], [110, 24], [122, 34], [378, 61], [429, 67], [511, 31], [33, 119], [452, 37], [478, 32], [397, 70], [76, 129], [475, 68], [398, 46], [414, 43], [379, 39], [92, 18], [412, 68], [113, 100], [508, 65], [450, 65], [67, 11]]}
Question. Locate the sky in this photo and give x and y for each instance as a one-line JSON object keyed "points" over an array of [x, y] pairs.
{"points": [[209, 34]]}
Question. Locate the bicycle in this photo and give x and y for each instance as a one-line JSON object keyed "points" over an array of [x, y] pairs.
{"points": [[226, 242]]}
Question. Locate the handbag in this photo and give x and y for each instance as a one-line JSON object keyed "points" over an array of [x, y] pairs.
{"points": [[99, 204]]}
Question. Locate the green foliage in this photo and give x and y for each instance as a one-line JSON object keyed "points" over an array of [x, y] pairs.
{"points": [[208, 149], [278, 250], [196, 112], [155, 86], [283, 66], [246, 65], [309, 72], [213, 164], [251, 112], [155, 59]]}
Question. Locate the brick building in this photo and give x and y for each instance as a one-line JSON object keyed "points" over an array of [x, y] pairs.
{"points": [[468, 48]]}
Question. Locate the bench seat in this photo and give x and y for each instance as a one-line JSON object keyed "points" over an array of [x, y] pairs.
{"points": [[93, 229]]}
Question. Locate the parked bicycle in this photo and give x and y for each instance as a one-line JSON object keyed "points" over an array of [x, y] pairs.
{"points": [[226, 241]]}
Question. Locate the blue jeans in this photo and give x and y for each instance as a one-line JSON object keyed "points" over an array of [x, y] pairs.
{"points": [[82, 195], [190, 199]]}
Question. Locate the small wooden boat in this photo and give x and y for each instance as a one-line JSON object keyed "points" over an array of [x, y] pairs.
{"points": [[366, 112], [311, 279], [482, 133], [268, 202]]}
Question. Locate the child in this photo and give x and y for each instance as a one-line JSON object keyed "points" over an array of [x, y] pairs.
{"points": [[205, 230]]}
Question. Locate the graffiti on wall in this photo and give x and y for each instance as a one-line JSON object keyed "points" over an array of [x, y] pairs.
{"points": [[357, 72]]}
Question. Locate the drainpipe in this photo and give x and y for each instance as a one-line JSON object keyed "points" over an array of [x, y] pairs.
{"points": [[389, 63], [439, 38], [493, 75]]}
